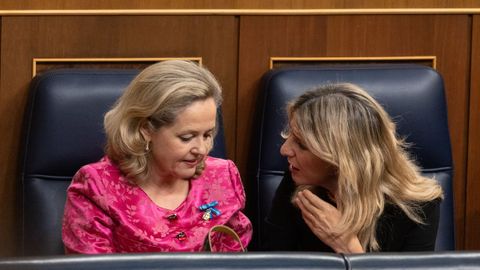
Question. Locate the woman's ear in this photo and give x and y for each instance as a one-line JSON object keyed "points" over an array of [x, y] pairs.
{"points": [[146, 131]]}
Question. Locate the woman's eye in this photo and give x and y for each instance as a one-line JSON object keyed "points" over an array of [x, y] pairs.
{"points": [[185, 138], [300, 144]]}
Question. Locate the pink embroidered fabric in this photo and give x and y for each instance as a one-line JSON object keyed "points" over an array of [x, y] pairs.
{"points": [[104, 213]]}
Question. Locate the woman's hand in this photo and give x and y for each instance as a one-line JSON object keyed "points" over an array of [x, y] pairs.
{"points": [[322, 218]]}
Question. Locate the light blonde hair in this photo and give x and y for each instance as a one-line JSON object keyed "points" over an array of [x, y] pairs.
{"points": [[153, 100], [343, 125]]}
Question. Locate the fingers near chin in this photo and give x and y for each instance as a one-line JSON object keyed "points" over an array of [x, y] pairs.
{"points": [[308, 219]]}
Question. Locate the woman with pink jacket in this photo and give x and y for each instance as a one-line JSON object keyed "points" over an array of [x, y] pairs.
{"points": [[157, 189]]}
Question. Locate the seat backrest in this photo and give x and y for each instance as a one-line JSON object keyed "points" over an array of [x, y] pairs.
{"points": [[458, 260], [63, 130], [413, 95], [180, 261]]}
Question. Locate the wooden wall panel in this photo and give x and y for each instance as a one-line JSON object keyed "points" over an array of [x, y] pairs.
{"points": [[241, 51], [233, 4], [23, 38], [472, 226], [444, 36]]}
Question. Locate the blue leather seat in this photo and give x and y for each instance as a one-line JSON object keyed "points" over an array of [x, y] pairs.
{"points": [[249, 261], [459, 260], [413, 95], [179, 261], [63, 130]]}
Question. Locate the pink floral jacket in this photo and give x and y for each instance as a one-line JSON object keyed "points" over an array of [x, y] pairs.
{"points": [[104, 213]]}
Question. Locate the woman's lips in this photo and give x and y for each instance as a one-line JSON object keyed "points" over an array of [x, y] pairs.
{"points": [[293, 168], [192, 163]]}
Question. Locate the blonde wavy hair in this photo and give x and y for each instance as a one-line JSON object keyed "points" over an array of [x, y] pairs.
{"points": [[344, 126], [153, 100]]}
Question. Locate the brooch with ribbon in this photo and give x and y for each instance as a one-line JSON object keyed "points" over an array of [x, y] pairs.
{"points": [[209, 210]]}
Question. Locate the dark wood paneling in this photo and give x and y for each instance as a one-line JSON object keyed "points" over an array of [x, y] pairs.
{"points": [[23, 38], [216, 40], [444, 36], [43, 65], [232, 4], [472, 226]]}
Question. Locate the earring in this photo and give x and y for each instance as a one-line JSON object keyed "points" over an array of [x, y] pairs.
{"points": [[147, 146]]}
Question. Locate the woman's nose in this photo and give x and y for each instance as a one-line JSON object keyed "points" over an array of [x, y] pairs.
{"points": [[202, 147], [285, 149]]}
